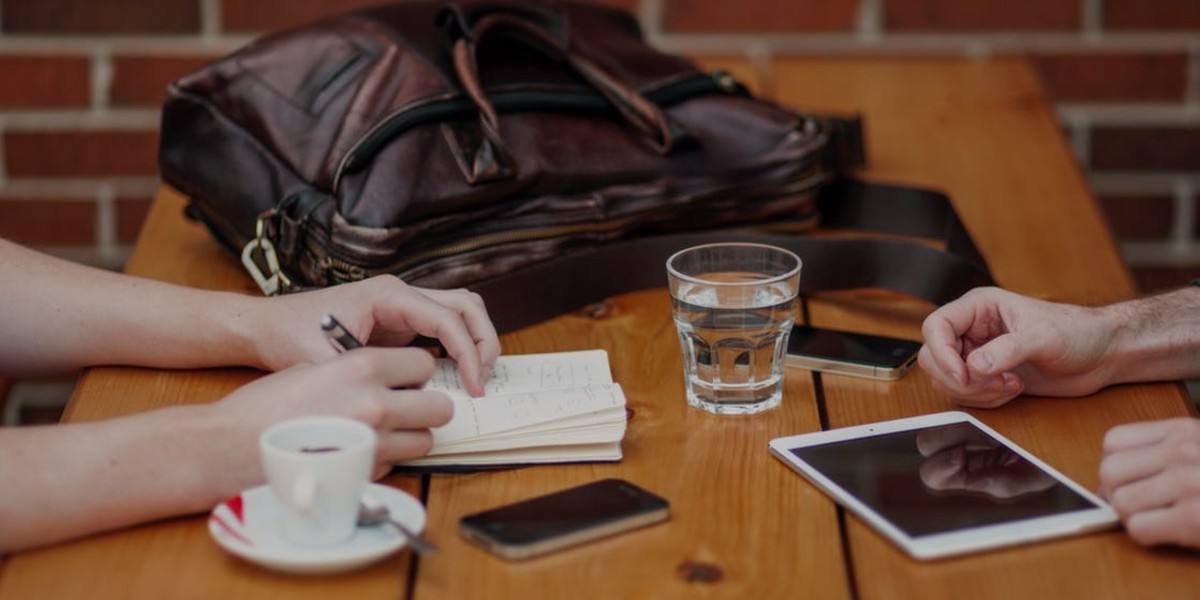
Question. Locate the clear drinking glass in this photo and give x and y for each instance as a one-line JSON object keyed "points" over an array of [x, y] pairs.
{"points": [[734, 306]]}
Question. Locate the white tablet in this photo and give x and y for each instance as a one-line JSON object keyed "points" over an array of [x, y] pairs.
{"points": [[943, 484]]}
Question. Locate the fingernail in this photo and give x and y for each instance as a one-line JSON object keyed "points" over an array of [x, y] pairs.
{"points": [[953, 458], [982, 361]]}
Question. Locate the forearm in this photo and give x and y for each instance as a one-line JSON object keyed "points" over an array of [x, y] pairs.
{"points": [[67, 481], [1156, 338], [58, 316]]}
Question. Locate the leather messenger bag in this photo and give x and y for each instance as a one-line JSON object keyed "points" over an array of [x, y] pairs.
{"points": [[537, 152]]}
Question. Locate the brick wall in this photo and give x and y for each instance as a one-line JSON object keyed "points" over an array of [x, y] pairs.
{"points": [[80, 83]]}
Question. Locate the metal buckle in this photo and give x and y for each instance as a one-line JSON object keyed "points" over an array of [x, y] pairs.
{"points": [[276, 282]]}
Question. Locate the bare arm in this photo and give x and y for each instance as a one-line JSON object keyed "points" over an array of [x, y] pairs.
{"points": [[57, 316], [991, 345], [66, 481]]}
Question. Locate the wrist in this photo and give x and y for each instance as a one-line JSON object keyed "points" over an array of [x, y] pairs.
{"points": [[223, 453], [1153, 338], [243, 328]]}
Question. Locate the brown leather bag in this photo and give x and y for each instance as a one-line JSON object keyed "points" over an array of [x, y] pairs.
{"points": [[513, 147]]}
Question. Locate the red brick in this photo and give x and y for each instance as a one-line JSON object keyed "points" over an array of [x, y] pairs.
{"points": [[1164, 14], [1138, 217], [981, 15], [100, 16], [81, 154], [142, 80], [270, 15], [46, 222], [1113, 77], [758, 15], [131, 215], [1161, 279], [44, 82], [1146, 148]]}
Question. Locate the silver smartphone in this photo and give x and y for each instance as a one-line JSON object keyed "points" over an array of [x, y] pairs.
{"points": [[565, 518], [849, 353]]}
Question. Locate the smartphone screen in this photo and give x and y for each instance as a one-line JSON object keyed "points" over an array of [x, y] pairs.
{"points": [[877, 357], [565, 518]]}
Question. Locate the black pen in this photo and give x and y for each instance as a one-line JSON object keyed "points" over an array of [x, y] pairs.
{"points": [[338, 335]]}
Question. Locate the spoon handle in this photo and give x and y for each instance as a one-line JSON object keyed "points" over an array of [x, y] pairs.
{"points": [[418, 543]]}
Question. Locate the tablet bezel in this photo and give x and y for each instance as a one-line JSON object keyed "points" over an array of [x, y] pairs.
{"points": [[965, 541]]}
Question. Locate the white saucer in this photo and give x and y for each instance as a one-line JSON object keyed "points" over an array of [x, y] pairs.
{"points": [[246, 525]]}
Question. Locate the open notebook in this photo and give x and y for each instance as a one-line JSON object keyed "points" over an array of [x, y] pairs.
{"points": [[537, 408]]}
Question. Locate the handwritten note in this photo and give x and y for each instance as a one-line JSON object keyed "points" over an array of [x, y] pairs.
{"points": [[556, 407], [522, 373]]}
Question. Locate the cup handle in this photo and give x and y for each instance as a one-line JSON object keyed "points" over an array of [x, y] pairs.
{"points": [[304, 492]]}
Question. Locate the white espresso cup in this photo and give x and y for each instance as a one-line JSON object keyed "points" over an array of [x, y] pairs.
{"points": [[318, 468]]}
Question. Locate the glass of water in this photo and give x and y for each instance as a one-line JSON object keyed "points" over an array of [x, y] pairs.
{"points": [[734, 306]]}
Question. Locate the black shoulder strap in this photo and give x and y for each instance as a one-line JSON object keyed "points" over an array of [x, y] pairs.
{"points": [[535, 293]]}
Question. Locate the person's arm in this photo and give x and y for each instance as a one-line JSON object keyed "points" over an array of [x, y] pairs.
{"points": [[66, 481], [58, 316], [991, 345]]}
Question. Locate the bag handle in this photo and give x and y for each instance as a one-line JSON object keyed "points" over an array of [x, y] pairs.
{"points": [[467, 34], [569, 282]]}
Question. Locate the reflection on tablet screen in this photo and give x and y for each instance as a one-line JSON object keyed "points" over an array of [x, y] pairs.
{"points": [[942, 478]]}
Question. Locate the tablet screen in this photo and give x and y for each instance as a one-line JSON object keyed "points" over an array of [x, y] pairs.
{"points": [[941, 478]]}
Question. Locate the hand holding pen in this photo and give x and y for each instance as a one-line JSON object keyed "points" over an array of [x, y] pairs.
{"points": [[402, 315]]}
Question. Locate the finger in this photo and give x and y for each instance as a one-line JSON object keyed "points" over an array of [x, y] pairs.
{"points": [[1178, 525], [433, 319], [941, 355], [1127, 466], [1137, 435], [990, 393], [1157, 491], [385, 367], [415, 409], [474, 313], [1000, 354], [949, 371], [397, 446]]}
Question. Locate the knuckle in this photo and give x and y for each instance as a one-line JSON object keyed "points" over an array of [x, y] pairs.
{"points": [[373, 411]]}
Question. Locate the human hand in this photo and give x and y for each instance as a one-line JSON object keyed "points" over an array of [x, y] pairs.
{"points": [[991, 345], [378, 386], [959, 457], [383, 311], [1150, 474]]}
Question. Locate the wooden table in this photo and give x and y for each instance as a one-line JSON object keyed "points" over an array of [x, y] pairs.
{"points": [[743, 525]]}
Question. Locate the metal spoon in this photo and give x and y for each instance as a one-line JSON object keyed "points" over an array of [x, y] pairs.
{"points": [[373, 512]]}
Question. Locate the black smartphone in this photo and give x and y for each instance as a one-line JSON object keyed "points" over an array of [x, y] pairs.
{"points": [[849, 353], [565, 518]]}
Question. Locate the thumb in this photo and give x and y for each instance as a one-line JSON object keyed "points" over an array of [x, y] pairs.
{"points": [[1002, 354]]}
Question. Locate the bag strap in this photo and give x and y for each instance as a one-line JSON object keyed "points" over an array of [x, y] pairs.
{"points": [[535, 293]]}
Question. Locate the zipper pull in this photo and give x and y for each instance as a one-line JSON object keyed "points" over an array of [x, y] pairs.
{"points": [[340, 271]]}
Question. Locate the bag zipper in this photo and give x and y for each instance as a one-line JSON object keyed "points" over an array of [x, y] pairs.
{"points": [[340, 270], [460, 107]]}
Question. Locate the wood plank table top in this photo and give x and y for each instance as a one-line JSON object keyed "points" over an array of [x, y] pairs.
{"points": [[743, 525]]}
